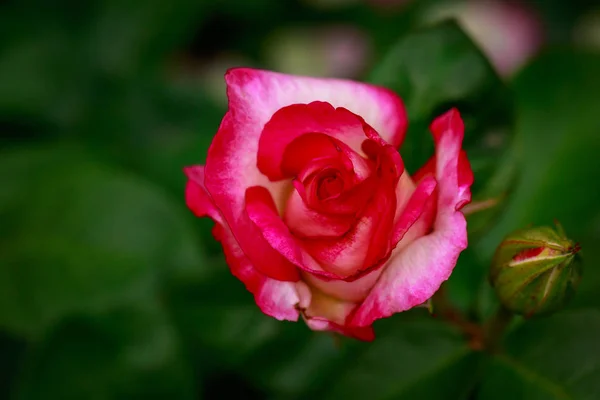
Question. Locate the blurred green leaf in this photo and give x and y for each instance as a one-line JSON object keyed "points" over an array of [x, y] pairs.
{"points": [[82, 237], [129, 352], [558, 99], [13, 350], [434, 69], [548, 358], [219, 319], [221, 323], [175, 124], [309, 361], [35, 72], [62, 63], [414, 356], [127, 36]]}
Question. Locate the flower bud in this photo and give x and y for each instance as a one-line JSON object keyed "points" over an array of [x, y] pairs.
{"points": [[536, 270]]}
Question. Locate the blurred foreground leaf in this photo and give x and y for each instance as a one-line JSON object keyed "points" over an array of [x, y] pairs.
{"points": [[548, 358], [81, 236], [130, 352], [219, 319], [413, 357], [309, 361]]}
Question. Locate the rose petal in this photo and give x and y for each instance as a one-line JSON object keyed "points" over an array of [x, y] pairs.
{"points": [[275, 298], [196, 197], [404, 191], [414, 209], [414, 274], [307, 223], [369, 241], [354, 291], [326, 313], [311, 152], [365, 244], [263, 214], [257, 94], [465, 175], [465, 180], [229, 170], [349, 202], [414, 222], [291, 123]]}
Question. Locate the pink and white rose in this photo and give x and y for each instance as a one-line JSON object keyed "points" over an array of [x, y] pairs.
{"points": [[314, 208]]}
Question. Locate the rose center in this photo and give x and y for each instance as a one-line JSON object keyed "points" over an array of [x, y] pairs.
{"points": [[330, 186]]}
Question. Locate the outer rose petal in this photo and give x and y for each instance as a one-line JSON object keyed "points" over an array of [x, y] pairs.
{"points": [[465, 174], [419, 204], [256, 95], [416, 272], [275, 298], [230, 169], [196, 197]]}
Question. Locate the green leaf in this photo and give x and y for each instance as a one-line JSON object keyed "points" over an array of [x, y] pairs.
{"points": [[414, 356], [548, 358], [434, 69], [309, 361], [128, 352], [126, 37], [173, 125], [36, 75], [12, 349], [219, 318], [83, 236], [221, 323]]}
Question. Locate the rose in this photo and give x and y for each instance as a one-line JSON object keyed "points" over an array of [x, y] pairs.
{"points": [[314, 209]]}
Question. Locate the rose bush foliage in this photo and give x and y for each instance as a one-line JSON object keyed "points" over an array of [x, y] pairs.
{"points": [[314, 208]]}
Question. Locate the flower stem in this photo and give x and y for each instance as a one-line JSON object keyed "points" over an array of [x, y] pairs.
{"points": [[443, 307], [495, 328]]}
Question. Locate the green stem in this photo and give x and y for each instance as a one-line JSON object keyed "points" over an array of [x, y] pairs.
{"points": [[495, 328], [443, 307]]}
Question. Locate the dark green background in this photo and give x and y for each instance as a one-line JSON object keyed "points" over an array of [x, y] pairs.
{"points": [[111, 289]]}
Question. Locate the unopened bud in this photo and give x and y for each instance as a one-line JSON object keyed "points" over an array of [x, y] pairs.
{"points": [[536, 270]]}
